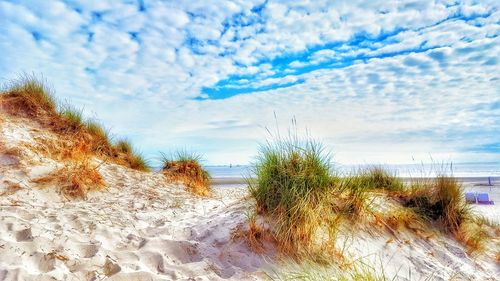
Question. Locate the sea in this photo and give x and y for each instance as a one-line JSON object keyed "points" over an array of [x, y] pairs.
{"points": [[459, 170]]}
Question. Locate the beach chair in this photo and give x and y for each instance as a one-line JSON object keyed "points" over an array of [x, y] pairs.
{"points": [[470, 197], [484, 198]]}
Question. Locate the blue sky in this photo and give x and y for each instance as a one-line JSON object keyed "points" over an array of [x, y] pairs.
{"points": [[376, 81]]}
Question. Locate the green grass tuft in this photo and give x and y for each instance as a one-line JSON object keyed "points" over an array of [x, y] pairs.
{"points": [[293, 185], [377, 178], [101, 141], [131, 156], [287, 172], [97, 130], [137, 161], [124, 146], [73, 118], [354, 194], [183, 155]]}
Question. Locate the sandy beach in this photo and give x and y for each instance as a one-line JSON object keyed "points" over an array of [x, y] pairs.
{"points": [[143, 227], [145, 140]]}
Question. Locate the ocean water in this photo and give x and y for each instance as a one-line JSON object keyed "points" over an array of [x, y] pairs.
{"points": [[486, 169], [238, 171]]}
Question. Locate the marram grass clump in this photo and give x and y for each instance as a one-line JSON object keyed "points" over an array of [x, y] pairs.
{"points": [[130, 156], [185, 167], [441, 200], [294, 188], [72, 118], [377, 178], [29, 96]]}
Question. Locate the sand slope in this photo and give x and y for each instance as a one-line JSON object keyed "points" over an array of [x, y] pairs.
{"points": [[139, 228], [143, 228]]}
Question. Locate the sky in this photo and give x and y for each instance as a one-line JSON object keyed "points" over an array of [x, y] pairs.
{"points": [[375, 81]]}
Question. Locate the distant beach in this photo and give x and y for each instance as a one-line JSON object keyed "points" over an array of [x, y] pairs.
{"points": [[473, 173]]}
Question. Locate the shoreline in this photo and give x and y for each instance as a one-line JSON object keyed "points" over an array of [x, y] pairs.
{"points": [[477, 181]]}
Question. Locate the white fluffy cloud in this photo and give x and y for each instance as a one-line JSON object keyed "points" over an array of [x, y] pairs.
{"points": [[381, 81]]}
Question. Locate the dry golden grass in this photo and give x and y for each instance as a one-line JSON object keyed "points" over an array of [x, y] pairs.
{"points": [[12, 187], [55, 255], [440, 200], [75, 180], [474, 236], [255, 235], [30, 97], [185, 168], [189, 173], [401, 218]]}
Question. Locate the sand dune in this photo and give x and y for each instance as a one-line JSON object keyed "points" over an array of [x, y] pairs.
{"points": [[140, 227]]}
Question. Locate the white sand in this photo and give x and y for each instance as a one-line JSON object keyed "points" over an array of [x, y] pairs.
{"points": [[142, 228], [139, 228]]}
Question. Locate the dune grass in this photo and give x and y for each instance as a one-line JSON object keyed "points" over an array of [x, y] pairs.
{"points": [[358, 270], [474, 235], [354, 195], [376, 178], [76, 179], [184, 166], [72, 118], [31, 96], [124, 146], [101, 139], [294, 188], [131, 156], [440, 202], [401, 218], [257, 235], [440, 199]]}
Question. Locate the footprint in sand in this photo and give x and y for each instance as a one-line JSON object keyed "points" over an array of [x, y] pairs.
{"points": [[44, 262], [89, 250], [154, 261], [84, 250], [135, 242], [179, 252], [111, 268], [24, 235]]}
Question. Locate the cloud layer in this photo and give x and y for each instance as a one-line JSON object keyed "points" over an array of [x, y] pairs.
{"points": [[381, 81]]}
